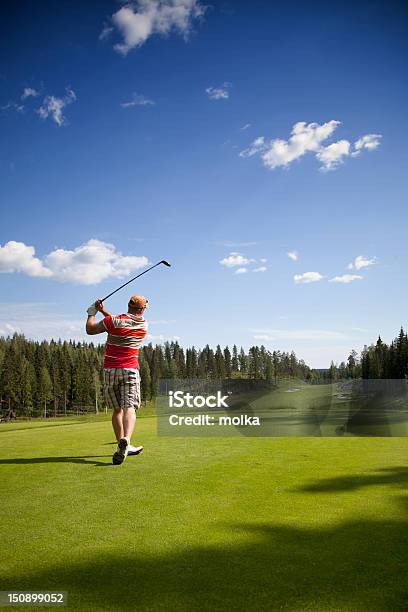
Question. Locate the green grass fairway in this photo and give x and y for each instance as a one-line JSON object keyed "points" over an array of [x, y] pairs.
{"points": [[204, 524]]}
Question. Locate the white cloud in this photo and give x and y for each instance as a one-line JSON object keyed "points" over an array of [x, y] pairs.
{"points": [[53, 107], [162, 338], [235, 259], [219, 93], [29, 92], [369, 142], [106, 32], [345, 278], [92, 263], [87, 264], [245, 127], [362, 262], [239, 261], [138, 100], [257, 146], [293, 255], [307, 277], [308, 137], [9, 330], [18, 257], [332, 155], [13, 106], [140, 19], [304, 137]]}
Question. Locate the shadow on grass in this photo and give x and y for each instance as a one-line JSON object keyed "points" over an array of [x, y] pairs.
{"points": [[355, 566], [392, 476], [87, 459]]}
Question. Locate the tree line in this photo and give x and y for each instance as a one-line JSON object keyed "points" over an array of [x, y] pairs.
{"points": [[53, 378], [377, 361]]}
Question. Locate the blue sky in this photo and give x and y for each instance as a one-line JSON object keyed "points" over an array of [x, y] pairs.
{"points": [[202, 134]]}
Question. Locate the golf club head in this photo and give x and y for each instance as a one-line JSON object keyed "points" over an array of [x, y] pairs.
{"points": [[166, 263]]}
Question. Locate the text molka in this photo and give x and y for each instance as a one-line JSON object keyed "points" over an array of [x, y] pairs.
{"points": [[201, 420]]}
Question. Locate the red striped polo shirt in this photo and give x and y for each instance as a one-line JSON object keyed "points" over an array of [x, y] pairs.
{"points": [[125, 336]]}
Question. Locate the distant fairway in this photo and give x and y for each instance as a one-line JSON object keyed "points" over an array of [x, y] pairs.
{"points": [[204, 524]]}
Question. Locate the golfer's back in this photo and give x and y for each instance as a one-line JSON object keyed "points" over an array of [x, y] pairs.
{"points": [[125, 336]]}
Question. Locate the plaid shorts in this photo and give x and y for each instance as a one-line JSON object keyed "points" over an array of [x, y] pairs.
{"points": [[121, 388]]}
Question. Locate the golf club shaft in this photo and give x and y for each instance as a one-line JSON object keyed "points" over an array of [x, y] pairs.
{"points": [[130, 281]]}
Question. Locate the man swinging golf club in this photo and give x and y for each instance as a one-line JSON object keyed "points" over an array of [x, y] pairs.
{"points": [[121, 368]]}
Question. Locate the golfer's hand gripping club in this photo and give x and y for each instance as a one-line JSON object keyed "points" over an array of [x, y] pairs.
{"points": [[97, 306], [92, 310]]}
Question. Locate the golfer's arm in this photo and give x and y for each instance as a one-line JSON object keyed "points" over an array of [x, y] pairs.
{"points": [[105, 313], [94, 327]]}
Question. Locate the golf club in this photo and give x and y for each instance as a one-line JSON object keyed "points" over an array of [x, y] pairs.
{"points": [[166, 263]]}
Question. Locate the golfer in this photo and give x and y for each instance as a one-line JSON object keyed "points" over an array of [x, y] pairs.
{"points": [[121, 368]]}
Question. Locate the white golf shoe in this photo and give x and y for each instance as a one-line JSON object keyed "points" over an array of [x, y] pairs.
{"points": [[134, 450]]}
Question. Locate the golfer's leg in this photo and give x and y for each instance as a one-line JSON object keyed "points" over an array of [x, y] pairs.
{"points": [[129, 421], [117, 423], [129, 394], [111, 399]]}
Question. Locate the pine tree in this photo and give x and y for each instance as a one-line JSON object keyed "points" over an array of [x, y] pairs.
{"points": [[269, 373], [227, 362], [27, 386], [333, 372], [145, 382], [235, 362], [44, 388], [352, 364], [211, 364], [191, 363], [202, 365], [401, 355], [10, 377], [254, 367], [219, 363], [243, 367], [169, 366], [275, 361], [55, 370], [365, 363]]}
